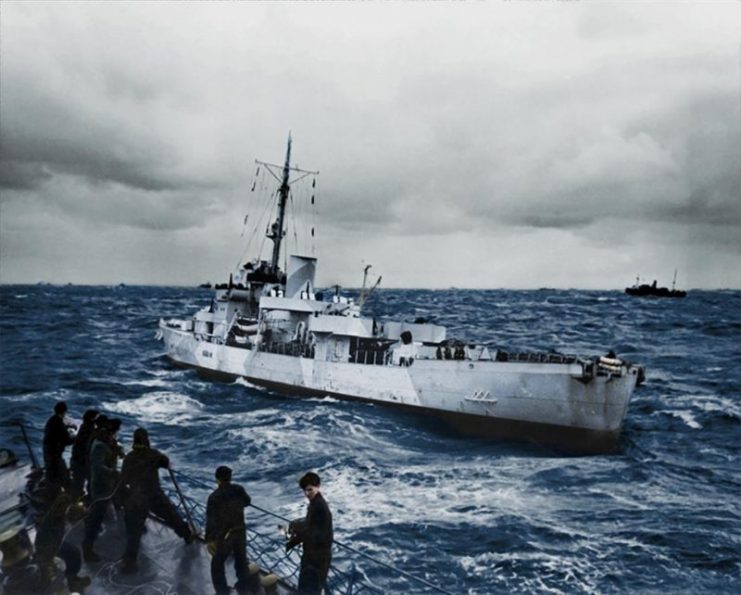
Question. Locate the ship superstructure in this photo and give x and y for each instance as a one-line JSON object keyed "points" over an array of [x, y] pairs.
{"points": [[276, 330]]}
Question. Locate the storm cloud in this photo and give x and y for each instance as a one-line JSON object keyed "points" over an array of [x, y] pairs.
{"points": [[491, 144]]}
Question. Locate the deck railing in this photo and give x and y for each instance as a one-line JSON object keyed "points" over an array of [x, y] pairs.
{"points": [[350, 570]]}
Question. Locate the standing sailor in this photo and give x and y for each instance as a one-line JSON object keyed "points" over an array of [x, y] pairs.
{"points": [[316, 534], [225, 531], [56, 438], [79, 458], [102, 484], [140, 477]]}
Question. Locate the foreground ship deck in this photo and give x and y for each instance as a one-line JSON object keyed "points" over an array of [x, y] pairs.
{"points": [[166, 565]]}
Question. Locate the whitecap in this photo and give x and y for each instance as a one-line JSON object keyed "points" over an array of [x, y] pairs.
{"points": [[688, 418], [244, 382], [161, 407], [154, 382]]}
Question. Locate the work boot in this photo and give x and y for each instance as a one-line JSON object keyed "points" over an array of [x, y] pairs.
{"points": [[270, 584], [77, 584], [188, 536], [88, 554], [253, 579]]}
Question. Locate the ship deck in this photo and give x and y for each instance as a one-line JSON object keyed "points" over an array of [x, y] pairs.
{"points": [[166, 564]]}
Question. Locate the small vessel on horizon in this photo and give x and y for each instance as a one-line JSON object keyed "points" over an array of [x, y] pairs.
{"points": [[644, 290], [274, 329]]}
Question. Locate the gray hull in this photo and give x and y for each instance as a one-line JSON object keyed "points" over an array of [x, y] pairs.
{"points": [[547, 403]]}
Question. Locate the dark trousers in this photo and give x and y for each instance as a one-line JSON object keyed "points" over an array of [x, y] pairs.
{"points": [[79, 475], [55, 470], [136, 511], [315, 563], [94, 521], [234, 545], [71, 556]]}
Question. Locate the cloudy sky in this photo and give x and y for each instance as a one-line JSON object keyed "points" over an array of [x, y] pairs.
{"points": [[471, 144]]}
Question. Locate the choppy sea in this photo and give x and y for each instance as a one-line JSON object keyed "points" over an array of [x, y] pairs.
{"points": [[662, 515]]}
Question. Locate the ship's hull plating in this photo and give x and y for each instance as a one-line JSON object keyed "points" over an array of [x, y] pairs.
{"points": [[546, 403]]}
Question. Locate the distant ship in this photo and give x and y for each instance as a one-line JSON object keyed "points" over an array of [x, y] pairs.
{"points": [[206, 285], [645, 290], [275, 330]]}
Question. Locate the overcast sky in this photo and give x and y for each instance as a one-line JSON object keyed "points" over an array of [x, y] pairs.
{"points": [[469, 144]]}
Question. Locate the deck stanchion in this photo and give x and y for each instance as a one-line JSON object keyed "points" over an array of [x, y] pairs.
{"points": [[34, 461], [182, 501]]}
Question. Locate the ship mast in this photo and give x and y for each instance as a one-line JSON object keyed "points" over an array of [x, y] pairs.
{"points": [[276, 231]]}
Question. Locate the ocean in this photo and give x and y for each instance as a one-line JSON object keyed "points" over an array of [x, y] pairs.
{"points": [[662, 514]]}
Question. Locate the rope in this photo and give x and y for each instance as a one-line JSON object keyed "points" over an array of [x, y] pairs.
{"points": [[263, 544]]}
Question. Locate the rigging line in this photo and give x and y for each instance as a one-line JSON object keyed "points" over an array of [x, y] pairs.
{"points": [[267, 199], [268, 167], [264, 236], [280, 167], [305, 173], [314, 209], [307, 219], [294, 217], [338, 543], [250, 236]]}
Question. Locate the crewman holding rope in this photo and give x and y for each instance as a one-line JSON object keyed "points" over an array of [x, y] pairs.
{"points": [[140, 478]]}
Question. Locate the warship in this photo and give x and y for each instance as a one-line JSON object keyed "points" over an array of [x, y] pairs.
{"points": [[274, 329]]}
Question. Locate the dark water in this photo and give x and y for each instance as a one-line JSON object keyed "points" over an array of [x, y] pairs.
{"points": [[662, 515]]}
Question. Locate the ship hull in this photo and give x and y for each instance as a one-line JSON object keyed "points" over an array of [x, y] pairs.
{"points": [[545, 403]]}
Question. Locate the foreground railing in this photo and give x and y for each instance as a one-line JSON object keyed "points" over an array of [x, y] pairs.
{"points": [[266, 546]]}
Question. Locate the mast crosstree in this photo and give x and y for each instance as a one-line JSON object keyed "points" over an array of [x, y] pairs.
{"points": [[277, 231]]}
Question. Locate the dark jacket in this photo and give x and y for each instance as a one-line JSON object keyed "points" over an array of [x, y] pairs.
{"points": [[225, 510], [82, 444], [102, 472], [314, 531], [56, 437], [51, 527], [140, 470]]}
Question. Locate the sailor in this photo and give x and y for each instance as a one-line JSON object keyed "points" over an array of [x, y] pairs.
{"points": [[140, 477], [103, 478], [460, 353], [316, 534], [225, 531], [115, 452], [51, 529], [19, 575], [79, 457], [56, 438]]}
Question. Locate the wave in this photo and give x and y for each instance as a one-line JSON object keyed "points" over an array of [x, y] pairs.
{"points": [[164, 407]]}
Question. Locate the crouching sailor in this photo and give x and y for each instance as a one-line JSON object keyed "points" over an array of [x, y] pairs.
{"points": [[51, 530], [316, 535], [226, 533], [140, 477]]}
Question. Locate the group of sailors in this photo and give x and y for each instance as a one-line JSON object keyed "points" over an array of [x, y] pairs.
{"points": [[93, 485], [444, 352]]}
